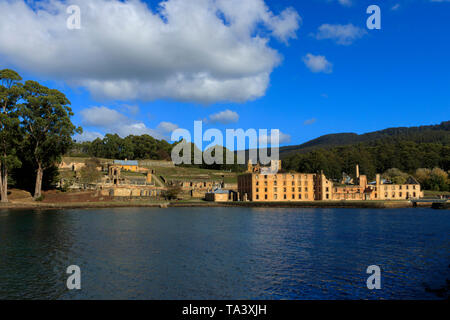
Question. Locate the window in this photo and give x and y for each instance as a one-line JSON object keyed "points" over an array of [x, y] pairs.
{"points": [[327, 189], [293, 189], [265, 176], [293, 196], [284, 189], [265, 196], [275, 196], [328, 196], [275, 189], [275, 183], [265, 189], [400, 194], [257, 183], [306, 196], [257, 189], [257, 196], [300, 196], [306, 189], [293, 183], [299, 189]]}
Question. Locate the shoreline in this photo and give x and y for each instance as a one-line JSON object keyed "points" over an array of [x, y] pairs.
{"points": [[200, 204]]}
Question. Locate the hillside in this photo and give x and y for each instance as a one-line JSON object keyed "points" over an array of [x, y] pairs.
{"points": [[424, 134]]}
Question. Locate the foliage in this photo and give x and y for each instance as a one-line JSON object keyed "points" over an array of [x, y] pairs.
{"points": [[47, 127], [112, 146], [382, 156], [89, 173], [435, 134], [172, 192], [396, 176], [10, 93]]}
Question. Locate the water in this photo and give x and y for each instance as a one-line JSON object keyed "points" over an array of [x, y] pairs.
{"points": [[223, 253]]}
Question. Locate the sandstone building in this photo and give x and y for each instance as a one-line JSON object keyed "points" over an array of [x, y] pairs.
{"points": [[260, 184]]}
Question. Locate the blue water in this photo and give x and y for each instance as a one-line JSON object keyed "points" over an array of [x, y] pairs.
{"points": [[224, 253]]}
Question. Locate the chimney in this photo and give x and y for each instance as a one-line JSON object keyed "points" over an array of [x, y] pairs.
{"points": [[378, 178], [357, 170]]}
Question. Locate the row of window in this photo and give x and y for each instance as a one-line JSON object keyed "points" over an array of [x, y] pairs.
{"points": [[299, 189], [400, 187], [284, 183], [284, 176], [275, 196]]}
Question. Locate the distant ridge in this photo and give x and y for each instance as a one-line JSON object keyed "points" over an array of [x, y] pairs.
{"points": [[423, 134]]}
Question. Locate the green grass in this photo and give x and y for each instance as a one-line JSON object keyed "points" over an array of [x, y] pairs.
{"points": [[189, 174], [432, 193]]}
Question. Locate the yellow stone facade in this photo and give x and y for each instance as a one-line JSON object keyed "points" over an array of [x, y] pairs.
{"points": [[276, 187], [309, 187]]}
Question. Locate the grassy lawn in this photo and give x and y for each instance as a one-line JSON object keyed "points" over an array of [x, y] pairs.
{"points": [[184, 174], [431, 193]]}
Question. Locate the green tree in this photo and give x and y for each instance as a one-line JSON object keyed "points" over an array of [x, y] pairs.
{"points": [[10, 92], [90, 173], [396, 176], [47, 126], [172, 192]]}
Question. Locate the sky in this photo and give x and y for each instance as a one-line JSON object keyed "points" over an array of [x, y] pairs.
{"points": [[307, 68]]}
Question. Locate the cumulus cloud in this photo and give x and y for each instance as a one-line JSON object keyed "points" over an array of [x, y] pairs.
{"points": [[88, 136], [266, 139], [309, 121], [166, 127], [199, 50], [112, 121], [223, 117], [317, 63], [341, 34], [346, 3], [395, 7]]}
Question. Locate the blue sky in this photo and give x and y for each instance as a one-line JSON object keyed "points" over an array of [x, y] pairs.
{"points": [[396, 76]]}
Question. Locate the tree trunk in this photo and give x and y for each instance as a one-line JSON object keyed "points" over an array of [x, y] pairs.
{"points": [[38, 187], [4, 184]]}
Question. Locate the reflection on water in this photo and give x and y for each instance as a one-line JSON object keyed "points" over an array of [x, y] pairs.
{"points": [[223, 253]]}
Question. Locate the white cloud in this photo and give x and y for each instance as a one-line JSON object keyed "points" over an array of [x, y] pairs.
{"points": [[317, 63], [167, 127], [199, 50], [87, 136], [395, 7], [224, 117], [309, 121], [266, 139], [112, 121], [341, 34], [346, 3], [102, 117]]}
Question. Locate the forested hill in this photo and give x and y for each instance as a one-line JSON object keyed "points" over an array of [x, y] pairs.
{"points": [[406, 149], [423, 134]]}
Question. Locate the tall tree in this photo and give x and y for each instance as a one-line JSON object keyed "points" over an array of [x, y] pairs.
{"points": [[10, 92], [47, 125]]}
